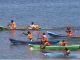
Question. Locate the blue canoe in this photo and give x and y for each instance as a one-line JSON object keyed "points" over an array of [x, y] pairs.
{"points": [[60, 55], [17, 42], [52, 34]]}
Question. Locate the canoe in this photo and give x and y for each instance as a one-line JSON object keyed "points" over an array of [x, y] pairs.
{"points": [[18, 28], [60, 55], [29, 28], [56, 48], [17, 42], [41, 28], [52, 34]]}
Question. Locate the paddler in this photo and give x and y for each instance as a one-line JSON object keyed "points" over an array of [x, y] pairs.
{"points": [[12, 25], [34, 26], [44, 40], [63, 43], [69, 31], [30, 36], [66, 52]]}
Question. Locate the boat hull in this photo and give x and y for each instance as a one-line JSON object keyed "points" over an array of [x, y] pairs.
{"points": [[57, 48], [18, 28], [17, 42], [60, 35]]}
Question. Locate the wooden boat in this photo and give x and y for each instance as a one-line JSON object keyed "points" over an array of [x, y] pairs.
{"points": [[52, 34], [56, 48], [17, 42]]}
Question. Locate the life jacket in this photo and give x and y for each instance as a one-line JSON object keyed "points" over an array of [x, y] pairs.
{"points": [[45, 41], [44, 38], [13, 25], [70, 33], [30, 36], [47, 44]]}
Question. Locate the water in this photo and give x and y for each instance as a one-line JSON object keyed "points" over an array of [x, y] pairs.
{"points": [[9, 51], [46, 13], [52, 13]]}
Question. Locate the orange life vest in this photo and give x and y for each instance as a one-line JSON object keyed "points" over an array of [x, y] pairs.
{"points": [[70, 34], [44, 39], [30, 36], [47, 44]]}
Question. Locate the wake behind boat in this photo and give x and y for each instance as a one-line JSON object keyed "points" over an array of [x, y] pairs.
{"points": [[17, 42]]}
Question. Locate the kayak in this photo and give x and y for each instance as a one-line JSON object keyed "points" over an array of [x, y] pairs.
{"points": [[28, 28], [52, 34], [18, 28], [60, 55], [40, 28], [17, 42], [57, 48]]}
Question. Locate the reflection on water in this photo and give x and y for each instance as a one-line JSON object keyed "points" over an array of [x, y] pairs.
{"points": [[13, 33]]}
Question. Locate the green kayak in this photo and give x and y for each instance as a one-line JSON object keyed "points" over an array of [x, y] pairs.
{"points": [[18, 28], [72, 47]]}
